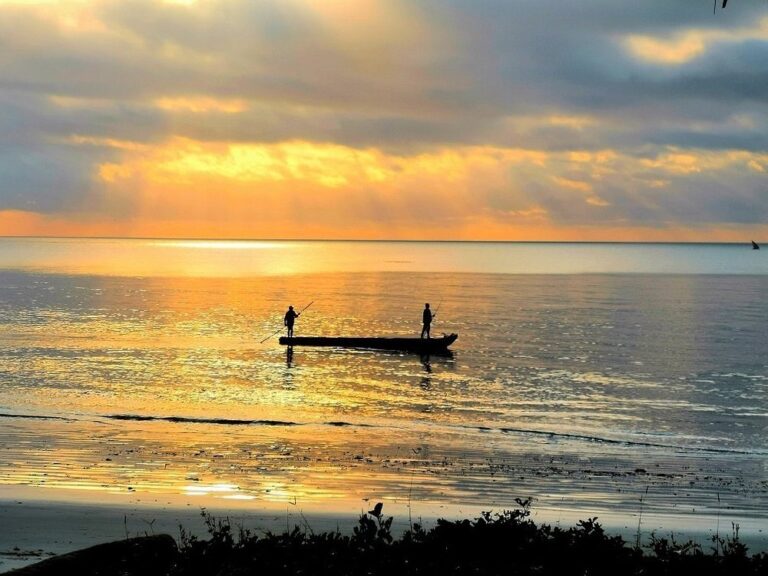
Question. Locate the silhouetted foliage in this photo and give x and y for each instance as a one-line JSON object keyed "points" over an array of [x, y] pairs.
{"points": [[504, 543]]}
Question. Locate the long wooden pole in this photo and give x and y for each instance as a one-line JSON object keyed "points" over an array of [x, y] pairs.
{"points": [[437, 309]]}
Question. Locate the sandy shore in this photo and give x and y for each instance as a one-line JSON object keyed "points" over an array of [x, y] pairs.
{"points": [[67, 484], [40, 522]]}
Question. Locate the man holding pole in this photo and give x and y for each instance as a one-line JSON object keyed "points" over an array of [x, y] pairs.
{"points": [[427, 319], [290, 317]]}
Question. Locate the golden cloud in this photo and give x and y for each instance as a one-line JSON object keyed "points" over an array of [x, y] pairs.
{"points": [[571, 184], [671, 51], [190, 188], [692, 161], [325, 164], [201, 104], [684, 46]]}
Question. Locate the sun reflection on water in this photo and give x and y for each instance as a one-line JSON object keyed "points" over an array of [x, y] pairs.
{"points": [[251, 258], [171, 385], [222, 490]]}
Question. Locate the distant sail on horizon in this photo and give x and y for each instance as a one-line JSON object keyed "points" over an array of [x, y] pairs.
{"points": [[755, 245]]}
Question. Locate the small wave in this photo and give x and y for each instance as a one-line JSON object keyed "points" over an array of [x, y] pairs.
{"points": [[35, 417], [341, 423], [190, 420], [601, 440], [227, 421]]}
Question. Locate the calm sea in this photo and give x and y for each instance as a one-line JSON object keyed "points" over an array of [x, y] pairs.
{"points": [[584, 374]]}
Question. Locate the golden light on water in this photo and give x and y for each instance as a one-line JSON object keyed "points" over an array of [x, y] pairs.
{"points": [[279, 492], [161, 389], [222, 490]]}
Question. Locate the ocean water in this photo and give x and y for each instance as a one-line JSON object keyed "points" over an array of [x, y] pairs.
{"points": [[584, 376]]}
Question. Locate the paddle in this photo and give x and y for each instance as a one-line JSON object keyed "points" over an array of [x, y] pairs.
{"points": [[280, 329]]}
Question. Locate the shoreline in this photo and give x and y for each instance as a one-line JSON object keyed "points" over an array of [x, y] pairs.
{"points": [[68, 485], [49, 521]]}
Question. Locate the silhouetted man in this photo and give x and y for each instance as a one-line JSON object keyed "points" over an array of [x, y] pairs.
{"points": [[290, 318], [427, 319]]}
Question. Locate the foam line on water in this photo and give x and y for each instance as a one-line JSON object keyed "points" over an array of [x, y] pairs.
{"points": [[601, 440], [35, 417], [341, 423], [225, 421]]}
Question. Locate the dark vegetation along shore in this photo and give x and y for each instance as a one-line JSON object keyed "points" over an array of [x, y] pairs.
{"points": [[505, 543]]}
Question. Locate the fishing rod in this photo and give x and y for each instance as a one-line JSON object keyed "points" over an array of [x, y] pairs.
{"points": [[280, 329]]}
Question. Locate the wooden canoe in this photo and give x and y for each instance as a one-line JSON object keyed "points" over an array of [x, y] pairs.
{"points": [[418, 345]]}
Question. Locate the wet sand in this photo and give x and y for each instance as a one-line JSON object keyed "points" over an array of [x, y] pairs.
{"points": [[69, 483], [40, 523]]}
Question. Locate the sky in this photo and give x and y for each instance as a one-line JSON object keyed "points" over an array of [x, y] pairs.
{"points": [[598, 120]]}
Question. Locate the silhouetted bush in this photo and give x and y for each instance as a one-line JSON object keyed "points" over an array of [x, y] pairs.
{"points": [[504, 543]]}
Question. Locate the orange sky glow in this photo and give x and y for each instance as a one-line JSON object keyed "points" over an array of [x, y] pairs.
{"points": [[377, 120]]}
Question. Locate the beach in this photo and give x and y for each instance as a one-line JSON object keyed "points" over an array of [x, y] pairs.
{"points": [[130, 399], [704, 501]]}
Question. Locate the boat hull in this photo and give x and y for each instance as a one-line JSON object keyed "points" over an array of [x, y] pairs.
{"points": [[417, 345]]}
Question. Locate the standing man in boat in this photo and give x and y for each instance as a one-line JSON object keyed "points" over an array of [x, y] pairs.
{"points": [[290, 318], [427, 319]]}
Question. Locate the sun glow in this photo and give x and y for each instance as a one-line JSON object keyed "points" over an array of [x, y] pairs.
{"points": [[220, 244], [187, 188]]}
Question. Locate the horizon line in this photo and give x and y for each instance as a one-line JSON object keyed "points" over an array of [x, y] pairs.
{"points": [[403, 240]]}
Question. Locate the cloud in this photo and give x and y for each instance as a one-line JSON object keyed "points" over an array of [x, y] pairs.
{"points": [[682, 47], [491, 118]]}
